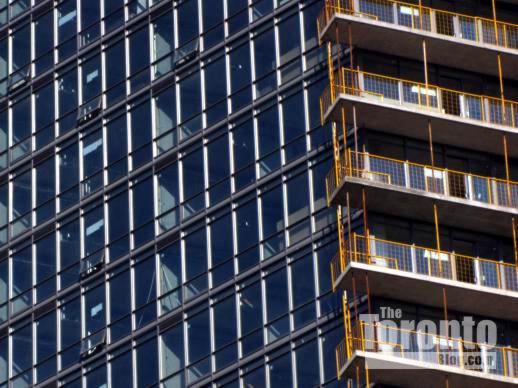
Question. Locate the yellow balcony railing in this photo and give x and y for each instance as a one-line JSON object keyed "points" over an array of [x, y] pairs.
{"points": [[440, 22], [416, 95], [429, 348], [430, 179], [425, 261]]}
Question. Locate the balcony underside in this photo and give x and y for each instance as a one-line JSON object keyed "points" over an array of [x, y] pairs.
{"points": [[410, 373], [427, 290], [404, 42], [405, 120], [418, 205]]}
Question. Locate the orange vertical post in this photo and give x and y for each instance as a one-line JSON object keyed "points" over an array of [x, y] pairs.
{"points": [[425, 61], [495, 26], [502, 97], [366, 225], [338, 55], [499, 60], [420, 14], [437, 237], [507, 173], [344, 130], [432, 156], [515, 244], [349, 234], [341, 242], [336, 155]]}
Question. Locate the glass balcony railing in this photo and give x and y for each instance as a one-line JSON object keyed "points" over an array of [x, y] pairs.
{"points": [[443, 23], [404, 345], [425, 261], [416, 95], [451, 183]]}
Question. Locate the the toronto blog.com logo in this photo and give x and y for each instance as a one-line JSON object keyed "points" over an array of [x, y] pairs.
{"points": [[463, 344]]}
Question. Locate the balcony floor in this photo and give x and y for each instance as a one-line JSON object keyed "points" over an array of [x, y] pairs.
{"points": [[418, 205], [394, 371], [427, 290], [404, 42], [405, 120]]}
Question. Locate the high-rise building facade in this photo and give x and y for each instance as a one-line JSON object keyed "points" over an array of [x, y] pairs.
{"points": [[234, 193], [422, 100], [163, 215]]}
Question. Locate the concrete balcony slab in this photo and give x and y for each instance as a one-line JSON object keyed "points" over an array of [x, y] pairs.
{"points": [[388, 38], [398, 372], [412, 121], [427, 290], [418, 205]]}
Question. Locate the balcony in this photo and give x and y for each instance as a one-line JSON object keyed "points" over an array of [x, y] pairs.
{"points": [[404, 108], [399, 357], [472, 43], [407, 189], [475, 285]]}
